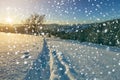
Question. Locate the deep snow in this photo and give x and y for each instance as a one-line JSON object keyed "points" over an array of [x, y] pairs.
{"points": [[87, 61], [71, 60], [14, 63], [56, 59]]}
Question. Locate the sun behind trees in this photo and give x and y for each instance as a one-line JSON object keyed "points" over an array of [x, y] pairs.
{"points": [[31, 25]]}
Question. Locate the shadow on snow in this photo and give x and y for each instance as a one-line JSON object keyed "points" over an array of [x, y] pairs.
{"points": [[40, 69]]}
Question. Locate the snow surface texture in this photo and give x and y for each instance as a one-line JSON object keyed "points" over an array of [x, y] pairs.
{"points": [[17, 53], [85, 61], [56, 59], [71, 60]]}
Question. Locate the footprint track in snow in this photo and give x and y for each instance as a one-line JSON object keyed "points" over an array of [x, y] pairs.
{"points": [[59, 64]]}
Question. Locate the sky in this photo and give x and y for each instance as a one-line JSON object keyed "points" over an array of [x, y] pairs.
{"points": [[60, 11]]}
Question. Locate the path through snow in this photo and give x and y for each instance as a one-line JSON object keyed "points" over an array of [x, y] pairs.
{"points": [[50, 65], [65, 60]]}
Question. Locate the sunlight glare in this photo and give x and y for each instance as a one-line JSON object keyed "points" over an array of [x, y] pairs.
{"points": [[9, 20]]}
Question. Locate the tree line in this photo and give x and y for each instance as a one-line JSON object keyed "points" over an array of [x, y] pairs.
{"points": [[104, 33], [30, 25]]}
